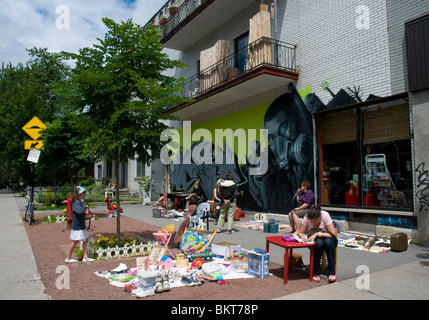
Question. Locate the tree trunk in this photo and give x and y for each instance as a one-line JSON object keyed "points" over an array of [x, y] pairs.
{"points": [[118, 201]]}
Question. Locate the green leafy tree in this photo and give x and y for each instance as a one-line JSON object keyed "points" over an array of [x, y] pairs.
{"points": [[123, 93], [26, 90]]}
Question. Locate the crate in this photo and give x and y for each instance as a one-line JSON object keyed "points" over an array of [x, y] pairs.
{"points": [[158, 212]]}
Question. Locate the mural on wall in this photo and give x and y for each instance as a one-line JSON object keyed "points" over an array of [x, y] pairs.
{"points": [[288, 120]]}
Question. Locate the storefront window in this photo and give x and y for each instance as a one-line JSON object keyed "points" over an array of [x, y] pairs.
{"points": [[387, 178], [374, 137], [339, 157]]}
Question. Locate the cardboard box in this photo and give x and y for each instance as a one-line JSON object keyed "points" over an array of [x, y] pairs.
{"points": [[219, 247], [258, 265]]}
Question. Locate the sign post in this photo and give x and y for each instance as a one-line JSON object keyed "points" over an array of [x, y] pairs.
{"points": [[33, 128]]}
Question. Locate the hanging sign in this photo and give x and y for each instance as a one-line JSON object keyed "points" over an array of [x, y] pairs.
{"points": [[33, 156]]}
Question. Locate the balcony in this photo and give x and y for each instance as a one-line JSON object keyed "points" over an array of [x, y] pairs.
{"points": [[264, 65], [192, 20]]}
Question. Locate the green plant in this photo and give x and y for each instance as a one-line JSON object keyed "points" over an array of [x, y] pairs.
{"points": [[104, 242], [144, 184], [78, 252]]}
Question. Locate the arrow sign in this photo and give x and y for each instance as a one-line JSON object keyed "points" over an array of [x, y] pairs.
{"points": [[33, 145], [33, 127]]}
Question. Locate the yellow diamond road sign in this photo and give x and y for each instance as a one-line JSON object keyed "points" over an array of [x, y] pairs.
{"points": [[33, 127], [33, 145]]}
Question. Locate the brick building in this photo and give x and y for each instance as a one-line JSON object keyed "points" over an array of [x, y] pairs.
{"points": [[330, 84]]}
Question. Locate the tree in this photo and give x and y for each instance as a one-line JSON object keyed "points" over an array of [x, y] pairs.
{"points": [[123, 94], [26, 90]]}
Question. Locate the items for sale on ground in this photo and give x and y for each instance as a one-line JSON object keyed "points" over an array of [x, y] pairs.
{"points": [[258, 263], [399, 242], [219, 248], [150, 278], [271, 227]]}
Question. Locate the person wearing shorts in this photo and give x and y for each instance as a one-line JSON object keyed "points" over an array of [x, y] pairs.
{"points": [[78, 232]]}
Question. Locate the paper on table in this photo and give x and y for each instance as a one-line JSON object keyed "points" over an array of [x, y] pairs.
{"points": [[297, 238]]}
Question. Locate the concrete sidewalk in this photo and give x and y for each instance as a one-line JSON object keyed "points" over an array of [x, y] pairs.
{"points": [[19, 277], [406, 282]]}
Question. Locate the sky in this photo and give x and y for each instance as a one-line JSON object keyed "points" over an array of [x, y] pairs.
{"points": [[63, 25]]}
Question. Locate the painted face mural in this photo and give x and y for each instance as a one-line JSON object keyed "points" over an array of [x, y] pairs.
{"points": [[290, 155], [291, 150]]}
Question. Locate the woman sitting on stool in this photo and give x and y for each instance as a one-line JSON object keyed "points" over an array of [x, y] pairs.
{"points": [[320, 229], [305, 198]]}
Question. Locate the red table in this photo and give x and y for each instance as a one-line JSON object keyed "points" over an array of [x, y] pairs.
{"points": [[289, 246]]}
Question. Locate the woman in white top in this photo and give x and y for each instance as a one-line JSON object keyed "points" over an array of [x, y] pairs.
{"points": [[320, 229]]}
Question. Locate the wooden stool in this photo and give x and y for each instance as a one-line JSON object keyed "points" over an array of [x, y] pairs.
{"points": [[324, 263]]}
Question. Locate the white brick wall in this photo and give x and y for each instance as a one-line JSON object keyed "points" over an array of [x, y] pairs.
{"points": [[331, 49], [400, 12]]}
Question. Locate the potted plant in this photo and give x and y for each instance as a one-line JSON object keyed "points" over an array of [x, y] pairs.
{"points": [[173, 9], [163, 20]]}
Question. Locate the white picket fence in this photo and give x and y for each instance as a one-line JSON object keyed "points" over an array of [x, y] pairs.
{"points": [[134, 250]]}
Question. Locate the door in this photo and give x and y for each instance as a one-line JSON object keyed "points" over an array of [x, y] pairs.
{"points": [[241, 44]]}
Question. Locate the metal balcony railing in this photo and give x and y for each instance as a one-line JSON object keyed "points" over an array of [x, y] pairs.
{"points": [[262, 52], [183, 11]]}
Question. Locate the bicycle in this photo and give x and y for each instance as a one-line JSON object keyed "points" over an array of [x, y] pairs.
{"points": [[29, 210]]}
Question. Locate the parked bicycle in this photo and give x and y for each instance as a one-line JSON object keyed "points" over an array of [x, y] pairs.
{"points": [[29, 210]]}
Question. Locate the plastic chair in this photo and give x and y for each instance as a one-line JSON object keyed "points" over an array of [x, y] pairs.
{"points": [[203, 213]]}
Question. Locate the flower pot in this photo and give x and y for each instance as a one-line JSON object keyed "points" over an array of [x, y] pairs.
{"points": [[163, 21], [173, 10]]}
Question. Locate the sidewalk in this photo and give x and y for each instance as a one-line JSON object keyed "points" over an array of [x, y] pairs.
{"points": [[406, 282], [19, 277]]}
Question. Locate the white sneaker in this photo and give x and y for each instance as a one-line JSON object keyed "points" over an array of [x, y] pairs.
{"points": [[70, 260], [145, 292], [159, 285], [88, 260]]}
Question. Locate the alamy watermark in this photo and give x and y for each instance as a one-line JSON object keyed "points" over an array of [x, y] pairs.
{"points": [[63, 280], [63, 19], [250, 150], [363, 281], [363, 18]]}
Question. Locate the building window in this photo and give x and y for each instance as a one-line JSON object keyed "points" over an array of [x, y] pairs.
{"points": [[123, 175], [365, 155], [141, 169], [417, 46], [109, 169], [99, 171]]}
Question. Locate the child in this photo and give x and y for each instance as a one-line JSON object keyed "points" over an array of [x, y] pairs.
{"points": [[79, 232]]}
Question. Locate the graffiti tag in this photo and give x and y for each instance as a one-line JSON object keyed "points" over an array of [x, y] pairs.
{"points": [[423, 186]]}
